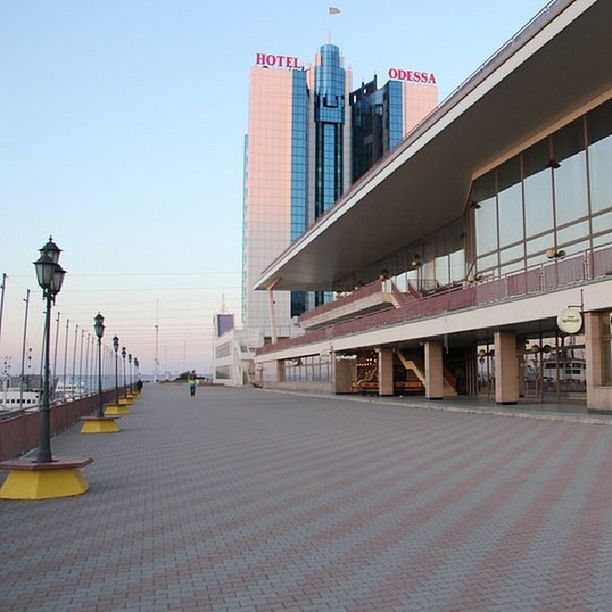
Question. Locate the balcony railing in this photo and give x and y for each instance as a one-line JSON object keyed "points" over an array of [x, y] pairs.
{"points": [[577, 269], [363, 292]]}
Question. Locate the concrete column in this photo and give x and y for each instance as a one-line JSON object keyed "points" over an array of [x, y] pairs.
{"points": [[272, 314], [594, 362], [345, 372], [385, 372], [279, 371], [506, 368], [434, 370]]}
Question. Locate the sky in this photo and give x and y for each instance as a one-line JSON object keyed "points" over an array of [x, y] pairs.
{"points": [[121, 135]]}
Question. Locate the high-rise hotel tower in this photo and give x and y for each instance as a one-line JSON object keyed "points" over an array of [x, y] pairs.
{"points": [[309, 138]]}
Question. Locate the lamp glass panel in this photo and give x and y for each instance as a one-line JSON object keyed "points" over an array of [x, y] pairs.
{"points": [[45, 269], [58, 279], [51, 251]]}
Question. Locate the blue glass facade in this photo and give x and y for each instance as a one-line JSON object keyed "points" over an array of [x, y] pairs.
{"points": [[299, 172], [329, 117], [377, 123], [395, 101], [299, 154]]}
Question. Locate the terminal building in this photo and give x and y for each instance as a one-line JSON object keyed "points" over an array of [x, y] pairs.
{"points": [[474, 258]]}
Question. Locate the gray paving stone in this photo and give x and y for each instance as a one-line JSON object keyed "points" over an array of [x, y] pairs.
{"points": [[251, 500]]}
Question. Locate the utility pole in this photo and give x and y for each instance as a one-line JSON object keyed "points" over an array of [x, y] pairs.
{"points": [[156, 372], [81, 364], [53, 387], [23, 350], [3, 287], [76, 333], [65, 356], [87, 366]]}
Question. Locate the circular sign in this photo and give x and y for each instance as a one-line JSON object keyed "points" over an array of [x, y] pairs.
{"points": [[569, 320]]}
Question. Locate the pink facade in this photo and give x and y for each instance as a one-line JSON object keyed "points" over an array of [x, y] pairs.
{"points": [[268, 189], [419, 101]]}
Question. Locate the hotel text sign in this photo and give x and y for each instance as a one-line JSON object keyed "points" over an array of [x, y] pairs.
{"points": [[412, 76], [282, 61]]}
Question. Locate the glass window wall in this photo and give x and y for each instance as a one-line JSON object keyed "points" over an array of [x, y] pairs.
{"points": [[599, 127], [537, 186], [486, 213], [555, 195], [311, 368], [510, 202], [569, 172], [606, 337]]}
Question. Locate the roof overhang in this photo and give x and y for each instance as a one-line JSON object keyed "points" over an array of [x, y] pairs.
{"points": [[559, 62]]}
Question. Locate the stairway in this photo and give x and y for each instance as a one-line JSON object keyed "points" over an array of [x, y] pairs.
{"points": [[416, 364]]}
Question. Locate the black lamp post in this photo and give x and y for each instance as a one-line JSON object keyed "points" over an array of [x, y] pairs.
{"points": [[116, 347], [50, 276], [136, 366], [99, 329], [124, 383], [131, 387]]}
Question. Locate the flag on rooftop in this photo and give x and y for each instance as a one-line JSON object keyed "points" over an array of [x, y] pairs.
{"points": [[333, 10]]}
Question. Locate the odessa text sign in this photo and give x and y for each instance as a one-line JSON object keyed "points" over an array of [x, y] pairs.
{"points": [[412, 76], [281, 61]]}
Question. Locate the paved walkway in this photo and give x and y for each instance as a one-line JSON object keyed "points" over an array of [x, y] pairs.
{"points": [[549, 411], [246, 499]]}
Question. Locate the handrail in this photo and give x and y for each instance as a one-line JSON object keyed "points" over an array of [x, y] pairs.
{"points": [[357, 294], [586, 265]]}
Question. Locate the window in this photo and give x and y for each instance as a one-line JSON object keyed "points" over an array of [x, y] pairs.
{"points": [[606, 340], [599, 125], [510, 202], [486, 213], [537, 185], [556, 194], [570, 177]]}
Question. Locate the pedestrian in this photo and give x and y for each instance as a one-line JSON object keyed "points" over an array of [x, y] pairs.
{"points": [[192, 380]]}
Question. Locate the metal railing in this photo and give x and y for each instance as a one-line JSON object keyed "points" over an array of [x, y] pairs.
{"points": [[543, 278], [358, 294]]}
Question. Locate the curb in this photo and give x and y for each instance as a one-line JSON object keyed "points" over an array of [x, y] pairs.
{"points": [[438, 407]]}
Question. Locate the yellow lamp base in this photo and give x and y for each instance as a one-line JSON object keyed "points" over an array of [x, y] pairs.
{"points": [[103, 425], [125, 401], [27, 480], [115, 410]]}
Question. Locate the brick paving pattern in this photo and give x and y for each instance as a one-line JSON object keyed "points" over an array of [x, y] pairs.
{"points": [[251, 500]]}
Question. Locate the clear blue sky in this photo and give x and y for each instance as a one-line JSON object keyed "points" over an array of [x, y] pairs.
{"points": [[121, 131]]}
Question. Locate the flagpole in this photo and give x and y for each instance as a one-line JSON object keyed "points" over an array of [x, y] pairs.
{"points": [[331, 12]]}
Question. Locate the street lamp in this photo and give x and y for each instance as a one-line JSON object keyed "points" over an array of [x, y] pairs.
{"points": [[124, 383], [131, 387], [116, 347], [136, 365], [99, 329], [50, 276]]}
